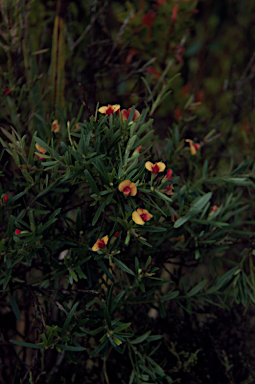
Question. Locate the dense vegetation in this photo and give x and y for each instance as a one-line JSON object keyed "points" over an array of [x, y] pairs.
{"points": [[127, 183]]}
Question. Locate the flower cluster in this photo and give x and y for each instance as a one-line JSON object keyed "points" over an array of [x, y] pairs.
{"points": [[110, 109], [139, 216]]}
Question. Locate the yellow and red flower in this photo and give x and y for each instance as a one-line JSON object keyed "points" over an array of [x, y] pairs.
{"points": [[155, 168], [125, 114], [55, 127], [110, 109], [193, 146], [140, 216], [40, 150], [100, 244], [128, 188]]}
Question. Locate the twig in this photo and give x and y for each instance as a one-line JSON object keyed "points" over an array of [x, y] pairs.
{"points": [[38, 306], [84, 99], [121, 31], [104, 365]]}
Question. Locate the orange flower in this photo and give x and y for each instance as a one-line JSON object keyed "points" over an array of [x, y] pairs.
{"points": [[55, 127], [40, 150], [110, 109], [125, 114], [155, 168], [140, 216], [128, 188], [100, 244], [193, 147]]}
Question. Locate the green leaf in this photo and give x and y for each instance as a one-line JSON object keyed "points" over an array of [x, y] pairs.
{"points": [[197, 288], [182, 220], [16, 197], [91, 181], [106, 314], [15, 307], [170, 296], [116, 301], [99, 348], [199, 203], [7, 277], [225, 279], [140, 339], [2, 245], [69, 318], [73, 274], [121, 327], [123, 266], [70, 348], [27, 345]]}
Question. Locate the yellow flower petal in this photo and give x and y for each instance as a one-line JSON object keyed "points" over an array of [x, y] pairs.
{"points": [[105, 238], [137, 218], [161, 166], [133, 189], [115, 107], [124, 184], [102, 109], [96, 246], [127, 184], [40, 149], [193, 148], [55, 127], [148, 166]]}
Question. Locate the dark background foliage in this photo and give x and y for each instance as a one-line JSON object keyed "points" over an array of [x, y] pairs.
{"points": [[56, 55]]}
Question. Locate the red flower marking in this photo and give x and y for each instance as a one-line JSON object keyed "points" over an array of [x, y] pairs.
{"points": [[17, 232], [153, 71], [6, 91], [5, 198], [101, 244], [200, 96], [125, 114], [138, 149], [155, 169], [174, 14], [148, 18], [177, 113], [169, 174], [116, 234]]}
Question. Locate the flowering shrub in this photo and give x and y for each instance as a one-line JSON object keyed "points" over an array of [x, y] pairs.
{"points": [[92, 224]]}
